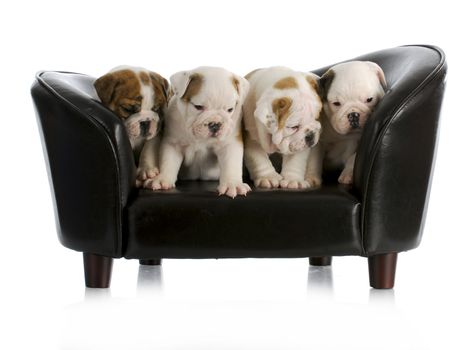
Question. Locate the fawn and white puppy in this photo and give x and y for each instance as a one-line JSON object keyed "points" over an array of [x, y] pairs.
{"points": [[202, 135], [281, 115], [350, 92], [139, 97]]}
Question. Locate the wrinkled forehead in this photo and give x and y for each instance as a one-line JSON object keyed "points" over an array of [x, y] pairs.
{"points": [[217, 89], [127, 84], [354, 81], [304, 106], [131, 83]]}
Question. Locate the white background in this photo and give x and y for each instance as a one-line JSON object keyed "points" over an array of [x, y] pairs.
{"points": [[228, 304]]}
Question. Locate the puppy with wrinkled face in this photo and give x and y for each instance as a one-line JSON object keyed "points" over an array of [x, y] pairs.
{"points": [[281, 116], [350, 92], [139, 97], [203, 131]]}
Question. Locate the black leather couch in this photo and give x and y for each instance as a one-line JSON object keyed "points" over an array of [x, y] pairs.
{"points": [[100, 213]]}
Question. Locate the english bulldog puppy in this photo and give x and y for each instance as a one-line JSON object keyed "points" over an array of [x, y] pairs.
{"points": [[281, 116], [139, 97], [350, 93], [202, 135]]}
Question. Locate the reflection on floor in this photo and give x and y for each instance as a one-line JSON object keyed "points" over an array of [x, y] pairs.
{"points": [[319, 282], [175, 307]]}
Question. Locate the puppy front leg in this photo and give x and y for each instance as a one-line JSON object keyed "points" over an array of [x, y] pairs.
{"points": [[148, 164], [315, 164], [346, 177], [230, 161], [259, 165], [170, 160], [293, 170]]}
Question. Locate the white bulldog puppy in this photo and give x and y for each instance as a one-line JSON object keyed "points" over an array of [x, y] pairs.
{"points": [[281, 116], [203, 131], [350, 92], [139, 97]]}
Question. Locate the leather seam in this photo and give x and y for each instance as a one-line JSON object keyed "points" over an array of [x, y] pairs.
{"points": [[105, 131], [396, 112]]}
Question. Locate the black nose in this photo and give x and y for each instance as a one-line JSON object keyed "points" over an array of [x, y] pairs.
{"points": [[310, 138], [144, 127], [354, 119], [214, 127]]}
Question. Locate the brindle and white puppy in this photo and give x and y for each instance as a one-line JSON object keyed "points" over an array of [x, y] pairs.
{"points": [[350, 92], [203, 131], [281, 116], [139, 97]]}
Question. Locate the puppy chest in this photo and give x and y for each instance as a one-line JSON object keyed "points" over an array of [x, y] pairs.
{"points": [[200, 162], [337, 153]]}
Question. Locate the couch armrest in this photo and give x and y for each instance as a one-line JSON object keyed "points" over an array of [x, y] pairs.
{"points": [[89, 160], [393, 169]]}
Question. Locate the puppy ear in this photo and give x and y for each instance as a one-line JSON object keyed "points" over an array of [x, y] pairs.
{"points": [[281, 107], [186, 84], [160, 84], [265, 116], [242, 86], [379, 73], [324, 83], [105, 87], [313, 81]]}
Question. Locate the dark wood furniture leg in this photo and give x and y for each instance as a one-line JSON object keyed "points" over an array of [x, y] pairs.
{"points": [[150, 261], [382, 269], [320, 261], [97, 270]]}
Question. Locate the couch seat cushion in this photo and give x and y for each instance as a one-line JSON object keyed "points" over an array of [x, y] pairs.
{"points": [[192, 221]]}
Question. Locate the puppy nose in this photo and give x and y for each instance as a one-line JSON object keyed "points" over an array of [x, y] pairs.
{"points": [[354, 119], [310, 138], [144, 127], [214, 127]]}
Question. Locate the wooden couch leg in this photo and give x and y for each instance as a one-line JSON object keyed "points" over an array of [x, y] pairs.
{"points": [[97, 270], [320, 261], [150, 261], [382, 269]]}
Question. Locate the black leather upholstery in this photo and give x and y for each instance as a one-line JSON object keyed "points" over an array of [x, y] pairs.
{"points": [[90, 162], [98, 210], [394, 163], [191, 222]]}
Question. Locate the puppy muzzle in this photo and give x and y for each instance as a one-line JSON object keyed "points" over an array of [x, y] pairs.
{"points": [[305, 138], [354, 120], [210, 125], [144, 124], [350, 119]]}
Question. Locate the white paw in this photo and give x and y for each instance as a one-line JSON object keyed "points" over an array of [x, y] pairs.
{"points": [[143, 174], [314, 181], [159, 183], [294, 183], [271, 181], [346, 178], [232, 189]]}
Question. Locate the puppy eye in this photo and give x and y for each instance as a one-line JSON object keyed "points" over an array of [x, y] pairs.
{"points": [[294, 128], [130, 109], [230, 110], [369, 99], [155, 109], [199, 107], [337, 104]]}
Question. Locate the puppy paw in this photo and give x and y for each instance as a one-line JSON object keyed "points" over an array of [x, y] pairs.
{"points": [[159, 183], [314, 181], [271, 181], [144, 173], [346, 178], [232, 189], [294, 183]]}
